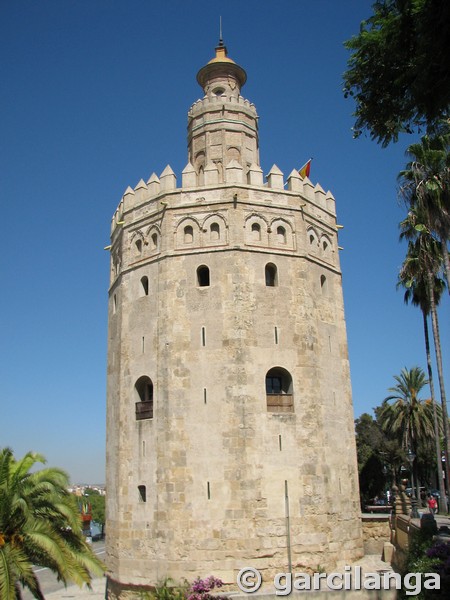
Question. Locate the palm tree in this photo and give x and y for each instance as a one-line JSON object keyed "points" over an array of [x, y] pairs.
{"points": [[416, 292], [424, 258], [404, 414], [426, 187], [39, 525]]}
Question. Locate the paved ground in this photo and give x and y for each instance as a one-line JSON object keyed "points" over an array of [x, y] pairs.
{"points": [[73, 591]]}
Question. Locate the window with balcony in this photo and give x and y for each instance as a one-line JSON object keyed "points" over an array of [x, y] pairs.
{"points": [[144, 392], [279, 391]]}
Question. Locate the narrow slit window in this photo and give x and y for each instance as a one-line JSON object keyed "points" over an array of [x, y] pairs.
{"points": [[208, 490], [204, 395], [203, 336], [144, 284], [142, 493], [276, 335]]}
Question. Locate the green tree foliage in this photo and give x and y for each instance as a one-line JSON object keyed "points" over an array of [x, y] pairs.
{"points": [[375, 453], [398, 69], [39, 525], [404, 414], [97, 502], [425, 187]]}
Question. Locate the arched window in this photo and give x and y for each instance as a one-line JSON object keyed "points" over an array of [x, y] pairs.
{"points": [[144, 286], [271, 275], [203, 276], [281, 234], [144, 393], [138, 246], [154, 241], [279, 391], [323, 284], [188, 234], [256, 232], [214, 231]]}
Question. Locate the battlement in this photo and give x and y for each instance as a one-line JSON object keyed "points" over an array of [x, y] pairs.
{"points": [[157, 187], [143, 192], [208, 102]]}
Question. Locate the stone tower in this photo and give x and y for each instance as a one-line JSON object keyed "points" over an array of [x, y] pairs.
{"points": [[230, 436]]}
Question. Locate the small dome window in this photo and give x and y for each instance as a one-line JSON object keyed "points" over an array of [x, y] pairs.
{"points": [[188, 234], [281, 235], [256, 232], [214, 231]]}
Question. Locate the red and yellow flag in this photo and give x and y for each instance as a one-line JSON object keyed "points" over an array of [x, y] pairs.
{"points": [[305, 170]]}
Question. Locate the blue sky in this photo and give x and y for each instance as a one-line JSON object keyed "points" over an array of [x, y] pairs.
{"points": [[94, 97]]}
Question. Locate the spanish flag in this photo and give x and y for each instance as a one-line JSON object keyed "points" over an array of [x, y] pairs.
{"points": [[304, 171]]}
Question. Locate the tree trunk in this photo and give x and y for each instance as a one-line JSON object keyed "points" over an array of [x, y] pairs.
{"points": [[437, 437], [437, 347], [446, 262]]}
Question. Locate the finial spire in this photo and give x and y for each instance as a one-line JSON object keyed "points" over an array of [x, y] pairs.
{"points": [[220, 32]]}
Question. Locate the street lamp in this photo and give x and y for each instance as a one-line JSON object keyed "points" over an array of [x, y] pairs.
{"points": [[414, 512]]}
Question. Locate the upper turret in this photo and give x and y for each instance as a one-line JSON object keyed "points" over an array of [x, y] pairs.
{"points": [[221, 76], [223, 126]]}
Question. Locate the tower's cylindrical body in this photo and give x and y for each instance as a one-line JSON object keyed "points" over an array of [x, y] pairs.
{"points": [[229, 396]]}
